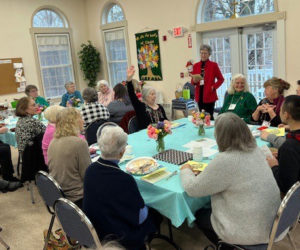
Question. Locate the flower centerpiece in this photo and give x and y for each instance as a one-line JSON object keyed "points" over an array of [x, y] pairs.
{"points": [[74, 102], [198, 120], [158, 132], [40, 110]]}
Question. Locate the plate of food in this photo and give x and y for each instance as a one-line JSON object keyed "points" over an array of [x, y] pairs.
{"points": [[141, 165]]}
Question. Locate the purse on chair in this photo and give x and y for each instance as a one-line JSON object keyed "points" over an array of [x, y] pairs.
{"points": [[60, 243]]}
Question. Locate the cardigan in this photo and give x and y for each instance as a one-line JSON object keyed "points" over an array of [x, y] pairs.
{"points": [[212, 72], [68, 159], [245, 105], [145, 114], [113, 202], [27, 129], [244, 197], [276, 141], [106, 98], [287, 173], [67, 96], [92, 112], [118, 109]]}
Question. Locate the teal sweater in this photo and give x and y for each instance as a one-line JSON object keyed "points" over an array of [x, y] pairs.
{"points": [[245, 105], [41, 101]]}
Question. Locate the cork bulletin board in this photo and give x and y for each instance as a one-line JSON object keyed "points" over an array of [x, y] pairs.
{"points": [[8, 83]]}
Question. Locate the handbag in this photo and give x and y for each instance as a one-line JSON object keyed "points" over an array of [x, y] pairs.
{"points": [[60, 243]]}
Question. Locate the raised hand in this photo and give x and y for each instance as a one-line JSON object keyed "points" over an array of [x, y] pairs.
{"points": [[130, 73]]}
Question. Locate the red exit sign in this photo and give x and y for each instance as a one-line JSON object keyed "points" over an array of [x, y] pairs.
{"points": [[178, 32]]}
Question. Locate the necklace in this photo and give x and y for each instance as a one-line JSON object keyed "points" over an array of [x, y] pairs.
{"points": [[240, 98]]}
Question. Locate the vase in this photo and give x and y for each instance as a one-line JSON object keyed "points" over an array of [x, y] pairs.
{"points": [[201, 130], [160, 144], [40, 117]]}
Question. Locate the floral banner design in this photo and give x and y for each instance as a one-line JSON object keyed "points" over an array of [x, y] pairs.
{"points": [[148, 55]]}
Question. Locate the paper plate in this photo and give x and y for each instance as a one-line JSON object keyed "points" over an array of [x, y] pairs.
{"points": [[142, 165]]}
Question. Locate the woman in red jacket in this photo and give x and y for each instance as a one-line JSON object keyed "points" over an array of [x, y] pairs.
{"points": [[206, 89]]}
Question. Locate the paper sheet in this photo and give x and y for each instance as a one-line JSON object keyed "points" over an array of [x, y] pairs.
{"points": [[207, 152], [18, 65], [276, 131], [205, 143]]}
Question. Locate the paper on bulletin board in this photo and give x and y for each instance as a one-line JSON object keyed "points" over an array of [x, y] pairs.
{"points": [[23, 84], [18, 72], [18, 65], [20, 79], [5, 61]]}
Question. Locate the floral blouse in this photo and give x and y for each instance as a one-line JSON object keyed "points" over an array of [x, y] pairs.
{"points": [[26, 130]]}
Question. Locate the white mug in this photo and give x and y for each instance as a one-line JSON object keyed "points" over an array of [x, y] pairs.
{"points": [[190, 118], [128, 150]]}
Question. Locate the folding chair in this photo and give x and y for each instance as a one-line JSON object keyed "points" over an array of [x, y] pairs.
{"points": [[76, 224], [50, 191], [7, 247], [285, 220], [91, 130], [133, 125]]}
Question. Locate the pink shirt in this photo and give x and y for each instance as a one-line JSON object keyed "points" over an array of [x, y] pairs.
{"points": [[48, 136], [106, 98]]}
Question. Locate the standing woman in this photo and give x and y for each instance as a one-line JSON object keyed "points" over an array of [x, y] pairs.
{"points": [[268, 109], [148, 111], [27, 127], [206, 88], [239, 100]]}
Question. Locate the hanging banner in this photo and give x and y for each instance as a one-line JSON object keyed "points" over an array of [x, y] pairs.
{"points": [[148, 55]]}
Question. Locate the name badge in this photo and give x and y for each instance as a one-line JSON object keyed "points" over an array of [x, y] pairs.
{"points": [[201, 82], [266, 124], [232, 106]]}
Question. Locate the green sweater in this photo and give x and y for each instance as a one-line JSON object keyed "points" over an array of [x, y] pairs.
{"points": [[245, 105], [41, 101]]}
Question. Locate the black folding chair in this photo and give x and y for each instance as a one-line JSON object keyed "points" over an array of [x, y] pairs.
{"points": [[50, 191], [7, 247], [285, 221], [133, 125], [91, 131], [76, 224]]}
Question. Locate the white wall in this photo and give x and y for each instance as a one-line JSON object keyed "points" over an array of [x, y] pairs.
{"points": [[15, 22]]}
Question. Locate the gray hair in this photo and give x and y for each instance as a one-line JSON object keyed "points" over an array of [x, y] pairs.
{"points": [[102, 82], [67, 84], [112, 141], [146, 91], [51, 113], [90, 95], [232, 133], [206, 47], [231, 89]]}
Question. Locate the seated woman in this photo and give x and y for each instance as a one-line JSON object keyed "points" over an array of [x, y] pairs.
{"points": [[27, 128], [125, 217], [121, 105], [148, 111], [92, 110], [105, 94], [239, 100], [71, 93], [6, 165], [244, 197], [50, 114], [268, 109], [32, 91], [68, 155]]}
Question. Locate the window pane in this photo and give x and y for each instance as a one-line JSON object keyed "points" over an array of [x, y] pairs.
{"points": [[55, 62], [215, 10], [47, 18], [115, 14], [116, 55]]}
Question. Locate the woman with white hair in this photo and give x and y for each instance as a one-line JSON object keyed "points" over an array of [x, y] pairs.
{"points": [[68, 155], [244, 197], [50, 115], [112, 200], [239, 100], [148, 111], [105, 94]]}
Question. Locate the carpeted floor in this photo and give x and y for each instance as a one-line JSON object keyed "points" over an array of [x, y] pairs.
{"points": [[23, 224]]}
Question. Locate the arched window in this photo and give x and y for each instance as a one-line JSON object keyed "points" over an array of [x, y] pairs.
{"points": [[48, 19], [216, 10], [115, 14], [114, 29], [54, 51]]}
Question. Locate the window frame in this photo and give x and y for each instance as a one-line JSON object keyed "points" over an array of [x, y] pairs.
{"points": [[65, 22], [48, 31], [106, 27]]}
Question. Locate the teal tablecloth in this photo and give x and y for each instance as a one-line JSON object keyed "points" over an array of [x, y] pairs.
{"points": [[168, 196]]}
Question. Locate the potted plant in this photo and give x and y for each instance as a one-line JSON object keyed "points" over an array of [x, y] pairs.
{"points": [[89, 63]]}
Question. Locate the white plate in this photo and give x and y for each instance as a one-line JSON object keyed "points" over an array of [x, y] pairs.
{"points": [[134, 165]]}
